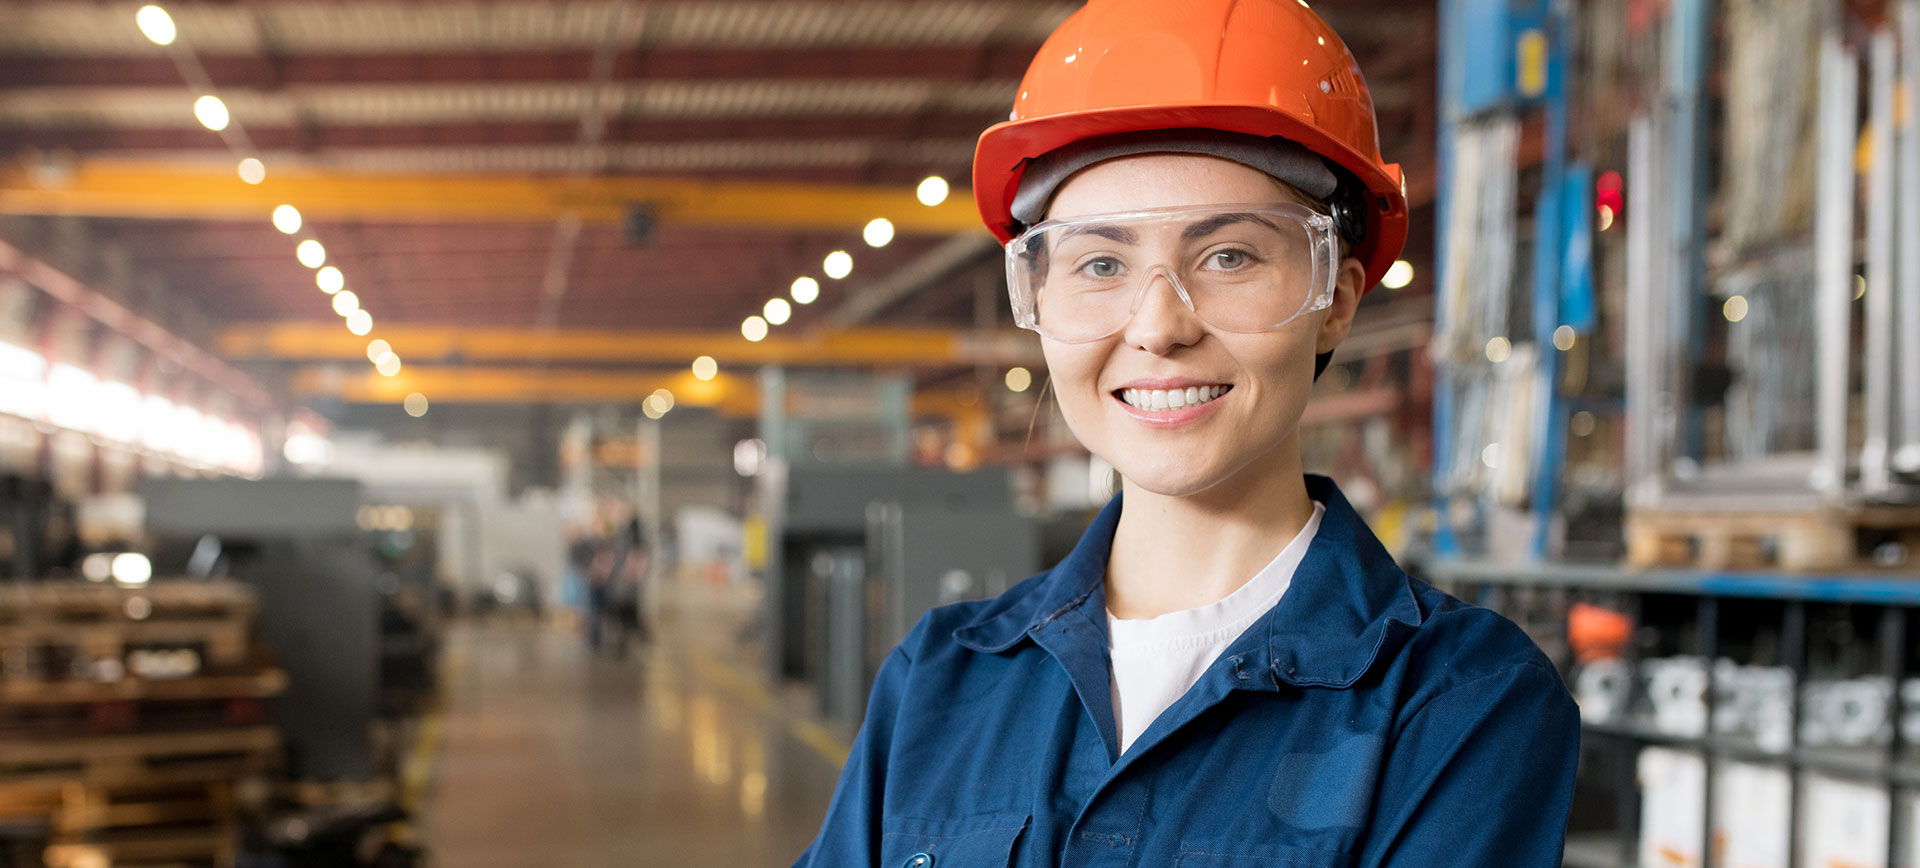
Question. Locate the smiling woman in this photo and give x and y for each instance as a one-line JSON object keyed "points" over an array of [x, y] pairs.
{"points": [[1192, 249]]}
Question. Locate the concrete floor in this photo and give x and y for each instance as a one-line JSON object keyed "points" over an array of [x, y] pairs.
{"points": [[677, 756]]}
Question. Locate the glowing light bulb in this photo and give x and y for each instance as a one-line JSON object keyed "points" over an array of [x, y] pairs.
{"points": [[806, 290], [705, 368], [1019, 379], [360, 322], [378, 348], [286, 218], [754, 329], [345, 302], [211, 112], [879, 232], [329, 279], [252, 170], [416, 405], [1398, 276], [156, 24], [932, 191], [310, 253], [778, 311], [838, 264]]}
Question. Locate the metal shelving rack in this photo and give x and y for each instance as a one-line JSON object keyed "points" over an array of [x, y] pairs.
{"points": [[1532, 593]]}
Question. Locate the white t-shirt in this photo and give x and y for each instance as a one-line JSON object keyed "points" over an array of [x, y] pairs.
{"points": [[1157, 660]]}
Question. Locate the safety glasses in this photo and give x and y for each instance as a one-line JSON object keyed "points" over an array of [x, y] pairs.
{"points": [[1240, 268]]}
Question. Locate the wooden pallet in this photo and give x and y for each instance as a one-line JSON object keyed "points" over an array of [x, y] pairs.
{"points": [[62, 630], [90, 825], [33, 708], [1811, 539], [140, 758]]}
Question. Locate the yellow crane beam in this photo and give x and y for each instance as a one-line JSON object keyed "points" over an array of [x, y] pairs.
{"points": [[736, 395], [162, 190], [879, 347]]}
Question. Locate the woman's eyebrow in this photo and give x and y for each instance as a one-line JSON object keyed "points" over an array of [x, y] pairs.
{"points": [[1212, 224], [1105, 230]]}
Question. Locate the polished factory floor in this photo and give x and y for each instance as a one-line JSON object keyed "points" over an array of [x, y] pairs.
{"points": [[550, 757]]}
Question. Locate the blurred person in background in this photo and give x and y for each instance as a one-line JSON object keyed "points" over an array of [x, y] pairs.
{"points": [[616, 576], [1229, 671]]}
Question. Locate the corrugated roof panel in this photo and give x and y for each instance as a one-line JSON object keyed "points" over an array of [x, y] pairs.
{"points": [[772, 97], [164, 107], [80, 28], [797, 24]]}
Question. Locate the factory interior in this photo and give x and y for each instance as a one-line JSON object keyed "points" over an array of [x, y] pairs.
{"points": [[517, 433]]}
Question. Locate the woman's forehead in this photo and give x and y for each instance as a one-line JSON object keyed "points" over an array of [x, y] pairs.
{"points": [[1148, 181]]}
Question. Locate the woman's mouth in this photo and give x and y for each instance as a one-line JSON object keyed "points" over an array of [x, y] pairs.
{"points": [[1162, 400]]}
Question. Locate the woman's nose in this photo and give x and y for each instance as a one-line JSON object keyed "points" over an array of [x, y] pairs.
{"points": [[1163, 316]]}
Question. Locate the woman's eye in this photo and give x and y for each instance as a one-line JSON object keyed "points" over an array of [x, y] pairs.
{"points": [[1101, 268], [1228, 259]]}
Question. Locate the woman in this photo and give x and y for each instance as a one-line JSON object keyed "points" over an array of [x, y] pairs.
{"points": [[1228, 670]]}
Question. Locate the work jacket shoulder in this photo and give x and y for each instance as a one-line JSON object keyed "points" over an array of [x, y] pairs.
{"points": [[1459, 642]]}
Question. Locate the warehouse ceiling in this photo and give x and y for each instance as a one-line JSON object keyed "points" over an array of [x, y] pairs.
{"points": [[859, 99]]}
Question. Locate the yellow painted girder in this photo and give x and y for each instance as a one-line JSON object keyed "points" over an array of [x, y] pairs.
{"points": [[876, 347], [161, 190], [735, 395]]}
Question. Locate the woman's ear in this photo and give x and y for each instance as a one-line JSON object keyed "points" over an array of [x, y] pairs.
{"points": [[1347, 286]]}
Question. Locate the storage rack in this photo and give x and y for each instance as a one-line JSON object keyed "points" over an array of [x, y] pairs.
{"points": [[1538, 595]]}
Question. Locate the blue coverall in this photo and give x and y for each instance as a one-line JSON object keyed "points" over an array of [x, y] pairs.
{"points": [[1367, 720]]}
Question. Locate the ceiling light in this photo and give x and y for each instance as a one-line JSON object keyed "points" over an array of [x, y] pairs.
{"points": [[360, 322], [286, 218], [1499, 350], [310, 253], [345, 302], [156, 24], [878, 233], [754, 329], [705, 368], [805, 290], [778, 311], [838, 264], [252, 170], [329, 279], [211, 112], [1019, 379], [389, 365], [1735, 309], [651, 407], [416, 405], [1398, 276], [132, 568], [932, 191], [664, 397], [378, 348]]}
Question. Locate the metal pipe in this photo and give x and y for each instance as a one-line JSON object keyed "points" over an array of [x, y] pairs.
{"points": [[1833, 218], [1643, 476], [1906, 457], [1876, 477]]}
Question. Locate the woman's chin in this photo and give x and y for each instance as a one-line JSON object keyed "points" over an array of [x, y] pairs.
{"points": [[1170, 481]]}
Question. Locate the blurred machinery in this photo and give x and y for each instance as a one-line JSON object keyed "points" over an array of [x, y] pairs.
{"points": [[855, 554]]}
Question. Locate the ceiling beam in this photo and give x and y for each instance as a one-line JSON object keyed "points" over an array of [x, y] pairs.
{"points": [[318, 341], [480, 133], [933, 63], [734, 395], [159, 190]]}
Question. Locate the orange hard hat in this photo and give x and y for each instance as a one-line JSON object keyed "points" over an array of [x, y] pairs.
{"points": [[1256, 67]]}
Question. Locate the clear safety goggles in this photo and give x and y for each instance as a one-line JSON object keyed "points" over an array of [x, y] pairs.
{"points": [[1240, 268]]}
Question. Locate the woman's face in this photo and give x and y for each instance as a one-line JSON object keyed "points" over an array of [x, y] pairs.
{"points": [[1266, 376]]}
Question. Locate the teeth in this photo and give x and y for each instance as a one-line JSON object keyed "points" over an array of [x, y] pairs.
{"points": [[1171, 399]]}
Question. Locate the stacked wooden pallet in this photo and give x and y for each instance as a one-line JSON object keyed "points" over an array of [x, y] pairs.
{"points": [[128, 716], [1805, 538]]}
